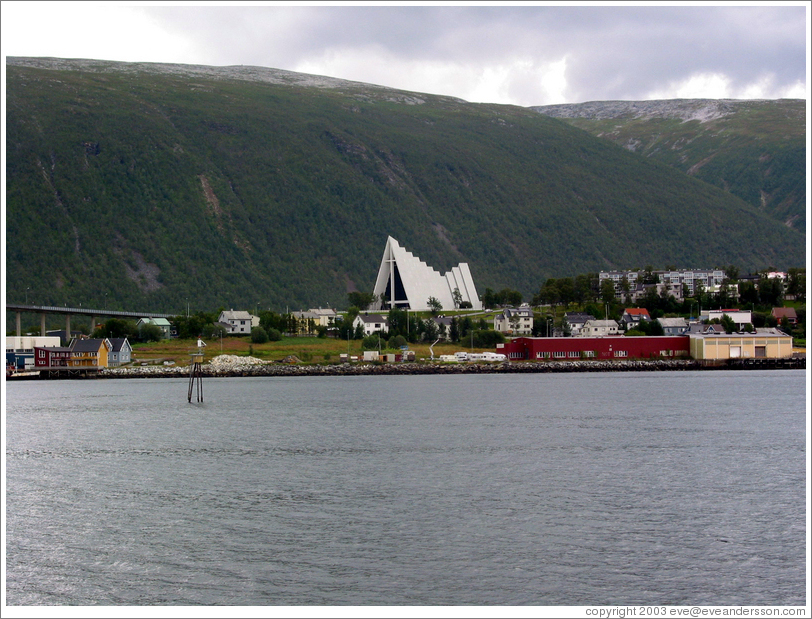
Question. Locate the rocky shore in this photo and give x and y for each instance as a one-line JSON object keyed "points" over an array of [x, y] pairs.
{"points": [[229, 365]]}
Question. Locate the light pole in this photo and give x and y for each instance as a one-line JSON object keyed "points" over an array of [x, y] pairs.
{"points": [[26, 295]]}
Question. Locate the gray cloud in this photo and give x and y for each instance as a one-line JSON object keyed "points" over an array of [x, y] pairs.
{"points": [[528, 55]]}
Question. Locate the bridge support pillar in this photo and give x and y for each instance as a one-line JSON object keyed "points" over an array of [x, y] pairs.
{"points": [[42, 324], [92, 324], [19, 325], [67, 330]]}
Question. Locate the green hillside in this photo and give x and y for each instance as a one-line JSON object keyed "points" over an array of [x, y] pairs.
{"points": [[755, 150], [141, 186]]}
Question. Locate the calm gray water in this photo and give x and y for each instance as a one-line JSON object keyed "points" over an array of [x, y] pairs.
{"points": [[576, 489]]}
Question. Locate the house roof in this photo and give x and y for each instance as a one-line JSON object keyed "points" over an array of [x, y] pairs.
{"points": [[784, 312], [117, 343], [672, 322], [323, 312], [602, 323], [522, 312], [376, 318], [636, 311], [88, 345], [161, 322], [235, 315], [698, 328], [307, 314], [575, 318]]}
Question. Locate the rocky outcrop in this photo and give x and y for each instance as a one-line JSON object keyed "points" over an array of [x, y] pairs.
{"points": [[702, 110]]}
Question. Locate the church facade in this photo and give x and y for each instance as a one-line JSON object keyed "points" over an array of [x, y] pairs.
{"points": [[405, 281]]}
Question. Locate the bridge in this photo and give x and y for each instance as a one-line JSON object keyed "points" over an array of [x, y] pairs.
{"points": [[44, 310]]}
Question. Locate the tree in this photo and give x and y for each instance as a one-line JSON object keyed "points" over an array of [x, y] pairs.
{"points": [[259, 335], [396, 341], [430, 330], [607, 291], [583, 288], [625, 289], [454, 330], [566, 291], [770, 291], [457, 296], [549, 293], [398, 322], [796, 283], [487, 338], [371, 342], [117, 328], [728, 323], [748, 293], [435, 306], [361, 300], [274, 335], [150, 333]]}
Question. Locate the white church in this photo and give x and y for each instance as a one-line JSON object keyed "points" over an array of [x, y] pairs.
{"points": [[405, 281]]}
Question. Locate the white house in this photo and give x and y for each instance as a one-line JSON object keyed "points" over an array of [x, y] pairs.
{"points": [[239, 322], [371, 323], [576, 321], [514, 321], [740, 317], [598, 328]]}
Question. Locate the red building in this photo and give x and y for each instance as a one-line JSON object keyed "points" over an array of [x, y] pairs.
{"points": [[571, 348], [51, 357]]}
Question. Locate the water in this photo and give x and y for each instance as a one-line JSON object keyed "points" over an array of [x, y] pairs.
{"points": [[576, 489]]}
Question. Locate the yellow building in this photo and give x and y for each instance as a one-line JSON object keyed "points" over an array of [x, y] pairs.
{"points": [[764, 344], [90, 353]]}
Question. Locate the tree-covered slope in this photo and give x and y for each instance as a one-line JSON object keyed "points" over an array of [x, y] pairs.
{"points": [[755, 150], [147, 185]]}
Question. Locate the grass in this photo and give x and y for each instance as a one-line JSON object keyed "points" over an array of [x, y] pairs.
{"points": [[312, 350]]}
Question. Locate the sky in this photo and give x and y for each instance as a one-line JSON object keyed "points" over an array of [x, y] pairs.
{"points": [[523, 54]]}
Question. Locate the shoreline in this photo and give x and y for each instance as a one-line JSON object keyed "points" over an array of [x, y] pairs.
{"points": [[255, 368]]}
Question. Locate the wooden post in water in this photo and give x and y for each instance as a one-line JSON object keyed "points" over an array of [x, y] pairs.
{"points": [[196, 371]]}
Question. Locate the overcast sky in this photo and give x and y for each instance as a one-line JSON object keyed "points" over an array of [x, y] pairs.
{"points": [[524, 54]]}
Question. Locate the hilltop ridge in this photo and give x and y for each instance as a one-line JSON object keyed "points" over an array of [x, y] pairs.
{"points": [[152, 184]]}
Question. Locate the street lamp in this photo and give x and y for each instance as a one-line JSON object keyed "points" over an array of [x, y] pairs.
{"points": [[26, 295]]}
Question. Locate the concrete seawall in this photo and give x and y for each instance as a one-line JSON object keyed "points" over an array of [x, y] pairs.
{"points": [[391, 369]]}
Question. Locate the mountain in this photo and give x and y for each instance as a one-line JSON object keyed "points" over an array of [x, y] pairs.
{"points": [[135, 185], [754, 149]]}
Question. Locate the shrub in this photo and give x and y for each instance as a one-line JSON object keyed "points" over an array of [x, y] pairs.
{"points": [[371, 342], [488, 338], [259, 335], [396, 342]]}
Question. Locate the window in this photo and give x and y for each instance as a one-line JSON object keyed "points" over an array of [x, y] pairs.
{"points": [[559, 354], [542, 355], [574, 354], [589, 353], [621, 353]]}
